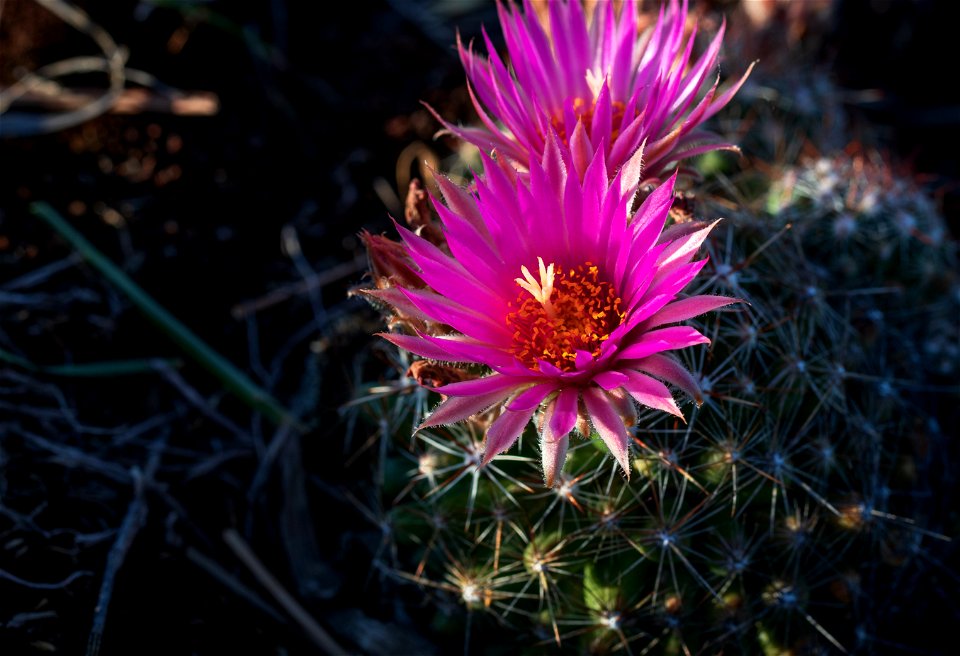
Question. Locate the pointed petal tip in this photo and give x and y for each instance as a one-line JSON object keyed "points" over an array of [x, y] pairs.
{"points": [[675, 411], [426, 423]]}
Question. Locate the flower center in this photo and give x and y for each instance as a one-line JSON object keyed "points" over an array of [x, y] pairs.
{"points": [[563, 312], [584, 109]]}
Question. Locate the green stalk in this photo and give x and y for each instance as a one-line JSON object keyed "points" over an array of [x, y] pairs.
{"points": [[232, 378], [107, 369]]}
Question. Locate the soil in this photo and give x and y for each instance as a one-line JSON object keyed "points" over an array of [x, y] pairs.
{"points": [[243, 224]]}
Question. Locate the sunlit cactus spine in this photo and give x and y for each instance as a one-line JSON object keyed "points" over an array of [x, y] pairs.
{"points": [[793, 513]]}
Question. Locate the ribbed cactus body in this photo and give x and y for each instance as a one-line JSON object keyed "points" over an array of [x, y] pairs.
{"points": [[795, 510]]}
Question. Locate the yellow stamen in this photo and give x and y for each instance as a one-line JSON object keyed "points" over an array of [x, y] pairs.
{"points": [[542, 289], [561, 313], [583, 109]]}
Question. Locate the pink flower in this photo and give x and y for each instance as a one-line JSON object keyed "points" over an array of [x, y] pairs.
{"points": [[566, 300], [596, 83]]}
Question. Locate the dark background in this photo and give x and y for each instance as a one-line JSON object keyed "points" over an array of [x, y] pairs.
{"points": [[314, 112]]}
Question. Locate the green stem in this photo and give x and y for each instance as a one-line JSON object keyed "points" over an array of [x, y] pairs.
{"points": [[107, 369], [231, 377]]}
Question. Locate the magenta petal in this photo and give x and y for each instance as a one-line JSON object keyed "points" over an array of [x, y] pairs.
{"points": [[555, 438], [458, 408], [649, 307], [686, 152], [656, 206], [609, 426], [583, 359], [581, 148], [688, 308], [651, 393], [548, 369], [678, 336], [666, 368], [597, 204], [569, 35], [610, 380], [625, 37], [679, 230], [563, 56], [463, 349], [631, 172], [719, 103], [464, 319], [530, 398], [565, 411], [685, 247], [448, 277], [422, 347], [602, 116], [503, 432], [487, 139], [553, 452], [493, 383], [696, 77], [674, 277], [643, 349], [529, 71], [553, 161], [393, 296], [662, 146], [461, 202]]}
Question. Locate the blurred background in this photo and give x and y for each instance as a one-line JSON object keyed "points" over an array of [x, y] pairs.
{"points": [[224, 157]]}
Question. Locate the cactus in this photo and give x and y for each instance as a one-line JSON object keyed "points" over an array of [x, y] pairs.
{"points": [[801, 507], [804, 506]]}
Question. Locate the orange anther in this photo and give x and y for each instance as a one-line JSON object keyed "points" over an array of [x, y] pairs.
{"points": [[563, 312]]}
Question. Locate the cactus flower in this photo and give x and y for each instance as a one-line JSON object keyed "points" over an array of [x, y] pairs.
{"points": [[565, 299], [595, 82]]}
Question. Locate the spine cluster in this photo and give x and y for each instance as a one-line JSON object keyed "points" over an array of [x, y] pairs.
{"points": [[799, 507]]}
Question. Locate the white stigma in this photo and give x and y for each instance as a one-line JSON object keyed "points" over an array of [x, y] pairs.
{"points": [[470, 594], [611, 621], [542, 289], [595, 80]]}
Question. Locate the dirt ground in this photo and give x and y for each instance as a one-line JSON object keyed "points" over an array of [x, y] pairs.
{"points": [[151, 511]]}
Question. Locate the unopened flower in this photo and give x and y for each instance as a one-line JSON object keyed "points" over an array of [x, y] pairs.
{"points": [[564, 297], [392, 268], [595, 82], [390, 263]]}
